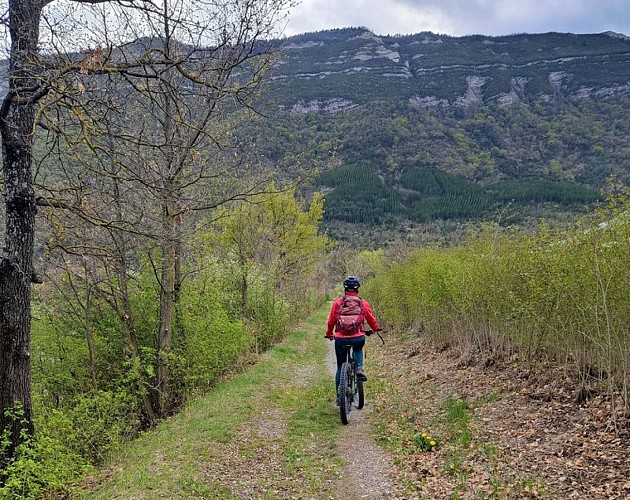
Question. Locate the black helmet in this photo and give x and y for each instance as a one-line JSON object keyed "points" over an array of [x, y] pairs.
{"points": [[351, 283]]}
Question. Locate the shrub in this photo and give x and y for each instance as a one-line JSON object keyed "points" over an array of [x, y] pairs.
{"points": [[41, 464], [554, 295]]}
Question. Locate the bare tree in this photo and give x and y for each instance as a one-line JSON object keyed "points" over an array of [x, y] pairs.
{"points": [[170, 57]]}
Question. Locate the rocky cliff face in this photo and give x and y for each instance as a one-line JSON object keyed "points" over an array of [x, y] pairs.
{"points": [[332, 71], [336, 70]]}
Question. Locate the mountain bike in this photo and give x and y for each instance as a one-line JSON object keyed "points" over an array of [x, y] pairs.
{"points": [[351, 390]]}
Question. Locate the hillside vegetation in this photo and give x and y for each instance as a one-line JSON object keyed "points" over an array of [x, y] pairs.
{"points": [[392, 162], [411, 129], [556, 298]]}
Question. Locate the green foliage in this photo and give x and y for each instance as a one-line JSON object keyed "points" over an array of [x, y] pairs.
{"points": [[40, 465], [69, 442], [359, 195], [539, 190], [95, 425], [390, 160], [273, 244], [426, 194], [89, 384], [554, 295], [438, 194], [214, 338], [368, 263], [271, 314]]}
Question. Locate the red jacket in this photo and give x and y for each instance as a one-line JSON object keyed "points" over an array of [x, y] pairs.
{"points": [[367, 311]]}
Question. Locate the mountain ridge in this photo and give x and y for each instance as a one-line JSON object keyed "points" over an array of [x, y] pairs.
{"points": [[480, 69]]}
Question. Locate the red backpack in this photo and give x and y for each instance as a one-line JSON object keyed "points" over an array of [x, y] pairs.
{"points": [[350, 316]]}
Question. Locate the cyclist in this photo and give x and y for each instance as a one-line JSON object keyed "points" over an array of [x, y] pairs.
{"points": [[351, 289]]}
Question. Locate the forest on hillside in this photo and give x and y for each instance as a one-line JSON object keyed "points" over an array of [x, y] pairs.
{"points": [[396, 163]]}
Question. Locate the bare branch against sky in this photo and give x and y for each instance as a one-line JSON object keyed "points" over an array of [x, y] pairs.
{"points": [[72, 25]]}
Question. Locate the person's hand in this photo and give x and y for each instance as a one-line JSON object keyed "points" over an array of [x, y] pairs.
{"points": [[329, 336]]}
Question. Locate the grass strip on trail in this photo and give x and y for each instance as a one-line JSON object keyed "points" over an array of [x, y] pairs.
{"points": [[269, 432]]}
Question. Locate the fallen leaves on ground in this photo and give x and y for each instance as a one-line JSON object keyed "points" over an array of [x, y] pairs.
{"points": [[530, 438]]}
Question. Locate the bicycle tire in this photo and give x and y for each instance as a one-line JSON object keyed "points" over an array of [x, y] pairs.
{"points": [[345, 393], [360, 395]]}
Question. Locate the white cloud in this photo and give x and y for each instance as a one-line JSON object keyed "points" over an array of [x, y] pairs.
{"points": [[461, 17]]}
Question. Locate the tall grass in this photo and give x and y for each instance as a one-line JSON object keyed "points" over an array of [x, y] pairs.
{"points": [[557, 296]]}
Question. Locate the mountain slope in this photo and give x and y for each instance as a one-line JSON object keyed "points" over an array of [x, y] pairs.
{"points": [[343, 68], [541, 120]]}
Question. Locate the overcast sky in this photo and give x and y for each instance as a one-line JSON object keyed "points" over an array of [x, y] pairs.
{"points": [[462, 17]]}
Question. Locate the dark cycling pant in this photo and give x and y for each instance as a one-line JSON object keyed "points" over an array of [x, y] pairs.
{"points": [[357, 344]]}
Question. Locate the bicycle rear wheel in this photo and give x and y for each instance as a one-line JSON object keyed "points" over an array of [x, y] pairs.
{"points": [[345, 393]]}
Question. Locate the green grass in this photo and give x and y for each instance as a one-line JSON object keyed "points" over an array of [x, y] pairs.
{"points": [[184, 456], [456, 422]]}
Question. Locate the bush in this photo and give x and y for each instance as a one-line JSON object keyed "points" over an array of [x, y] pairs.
{"points": [[214, 336], [41, 464], [555, 295], [96, 425]]}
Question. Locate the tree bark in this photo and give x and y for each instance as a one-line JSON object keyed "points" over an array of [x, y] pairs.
{"points": [[167, 302], [169, 245], [17, 118]]}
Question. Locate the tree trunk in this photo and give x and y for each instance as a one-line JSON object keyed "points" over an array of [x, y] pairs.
{"points": [[170, 265], [178, 319], [125, 311], [132, 341], [17, 118], [167, 301]]}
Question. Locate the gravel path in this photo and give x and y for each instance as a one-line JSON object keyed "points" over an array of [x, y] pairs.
{"points": [[367, 472]]}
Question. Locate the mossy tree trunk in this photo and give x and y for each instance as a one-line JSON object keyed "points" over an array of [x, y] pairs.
{"points": [[17, 118]]}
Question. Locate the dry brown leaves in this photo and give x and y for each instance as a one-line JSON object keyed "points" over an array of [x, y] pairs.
{"points": [[531, 440]]}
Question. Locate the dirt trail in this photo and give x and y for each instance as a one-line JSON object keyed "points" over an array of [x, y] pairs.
{"points": [[272, 431], [369, 470]]}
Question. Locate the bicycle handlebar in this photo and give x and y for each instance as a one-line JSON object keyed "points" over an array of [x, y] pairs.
{"points": [[367, 334], [370, 332]]}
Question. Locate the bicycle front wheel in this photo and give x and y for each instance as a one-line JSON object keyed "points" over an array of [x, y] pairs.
{"points": [[345, 393], [359, 399]]}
